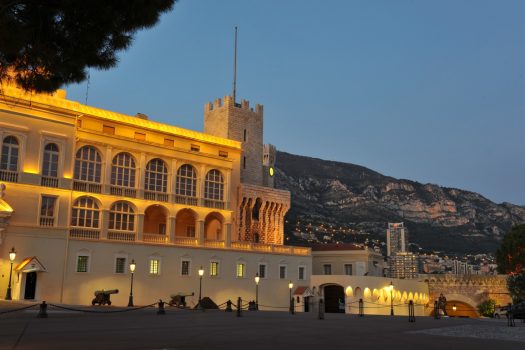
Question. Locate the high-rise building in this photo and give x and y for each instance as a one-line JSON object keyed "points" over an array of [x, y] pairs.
{"points": [[396, 238]]}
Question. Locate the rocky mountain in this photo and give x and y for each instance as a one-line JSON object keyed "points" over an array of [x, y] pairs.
{"points": [[333, 201]]}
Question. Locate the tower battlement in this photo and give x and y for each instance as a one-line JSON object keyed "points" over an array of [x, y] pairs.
{"points": [[227, 102]]}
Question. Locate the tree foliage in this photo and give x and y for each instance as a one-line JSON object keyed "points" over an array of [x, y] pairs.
{"points": [[510, 256], [487, 308], [516, 286], [45, 44]]}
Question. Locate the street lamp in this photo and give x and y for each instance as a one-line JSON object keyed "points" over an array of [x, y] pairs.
{"points": [[391, 299], [201, 273], [12, 256], [290, 286], [132, 267], [257, 279]]}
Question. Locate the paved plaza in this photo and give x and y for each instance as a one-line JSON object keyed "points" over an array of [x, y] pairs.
{"points": [[188, 329]]}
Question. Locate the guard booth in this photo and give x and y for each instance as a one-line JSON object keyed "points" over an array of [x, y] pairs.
{"points": [[303, 299], [27, 273]]}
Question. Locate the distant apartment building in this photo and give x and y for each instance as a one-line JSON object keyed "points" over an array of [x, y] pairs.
{"points": [[396, 238], [346, 259], [403, 265]]}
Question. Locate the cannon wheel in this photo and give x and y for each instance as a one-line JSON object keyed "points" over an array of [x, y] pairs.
{"points": [[93, 302], [109, 302]]}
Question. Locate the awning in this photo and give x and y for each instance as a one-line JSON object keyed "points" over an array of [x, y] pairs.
{"points": [[30, 264], [303, 291]]}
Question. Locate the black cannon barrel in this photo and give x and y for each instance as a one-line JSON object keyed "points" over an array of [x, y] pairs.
{"points": [[110, 291]]}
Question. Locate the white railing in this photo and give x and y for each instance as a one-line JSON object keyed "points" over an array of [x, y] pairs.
{"points": [[154, 238], [188, 241], [49, 181], [214, 244], [47, 221], [84, 233], [185, 200], [9, 176], [87, 187], [123, 191], [156, 196], [121, 236], [270, 248]]}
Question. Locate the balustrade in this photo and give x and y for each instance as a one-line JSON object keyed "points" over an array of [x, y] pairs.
{"points": [[121, 236], [9, 176], [84, 233]]}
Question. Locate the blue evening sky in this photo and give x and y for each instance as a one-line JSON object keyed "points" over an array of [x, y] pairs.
{"points": [[432, 91]]}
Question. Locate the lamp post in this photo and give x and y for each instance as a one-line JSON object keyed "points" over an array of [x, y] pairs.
{"points": [[257, 279], [201, 273], [290, 286], [132, 267], [454, 308], [391, 299], [12, 256]]}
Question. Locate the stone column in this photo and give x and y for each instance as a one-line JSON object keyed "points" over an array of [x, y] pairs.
{"points": [[105, 224], [227, 190], [106, 168], [227, 229], [140, 227], [173, 179], [201, 179], [141, 176], [170, 228], [199, 231]]}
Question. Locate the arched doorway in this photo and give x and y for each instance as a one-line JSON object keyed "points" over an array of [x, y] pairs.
{"points": [[213, 227], [185, 223], [155, 218], [456, 308], [334, 294]]}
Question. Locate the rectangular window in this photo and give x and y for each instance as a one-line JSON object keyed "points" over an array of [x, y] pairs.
{"points": [[282, 271], [214, 268], [154, 266], [140, 136], [47, 211], [185, 268], [262, 270], [195, 148], [348, 269], [244, 137], [106, 129], [223, 154], [169, 142], [120, 265], [301, 273], [240, 270], [82, 263], [244, 162], [327, 269], [79, 123]]}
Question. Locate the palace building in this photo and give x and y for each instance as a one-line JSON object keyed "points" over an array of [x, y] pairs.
{"points": [[86, 191]]}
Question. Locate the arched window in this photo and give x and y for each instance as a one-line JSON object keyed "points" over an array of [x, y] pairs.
{"points": [[123, 170], [10, 148], [88, 164], [50, 166], [85, 213], [121, 217], [156, 176], [214, 185], [186, 181]]}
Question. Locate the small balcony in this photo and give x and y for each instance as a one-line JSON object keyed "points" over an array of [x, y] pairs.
{"points": [[83, 186], [123, 191], [84, 233], [47, 221], [48, 181], [155, 238], [8, 175], [121, 236], [212, 203], [156, 196], [185, 200]]}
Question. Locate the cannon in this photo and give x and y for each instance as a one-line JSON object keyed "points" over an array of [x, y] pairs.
{"points": [[102, 297], [179, 299]]}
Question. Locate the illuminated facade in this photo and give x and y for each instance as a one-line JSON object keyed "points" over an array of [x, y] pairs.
{"points": [[88, 190]]}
